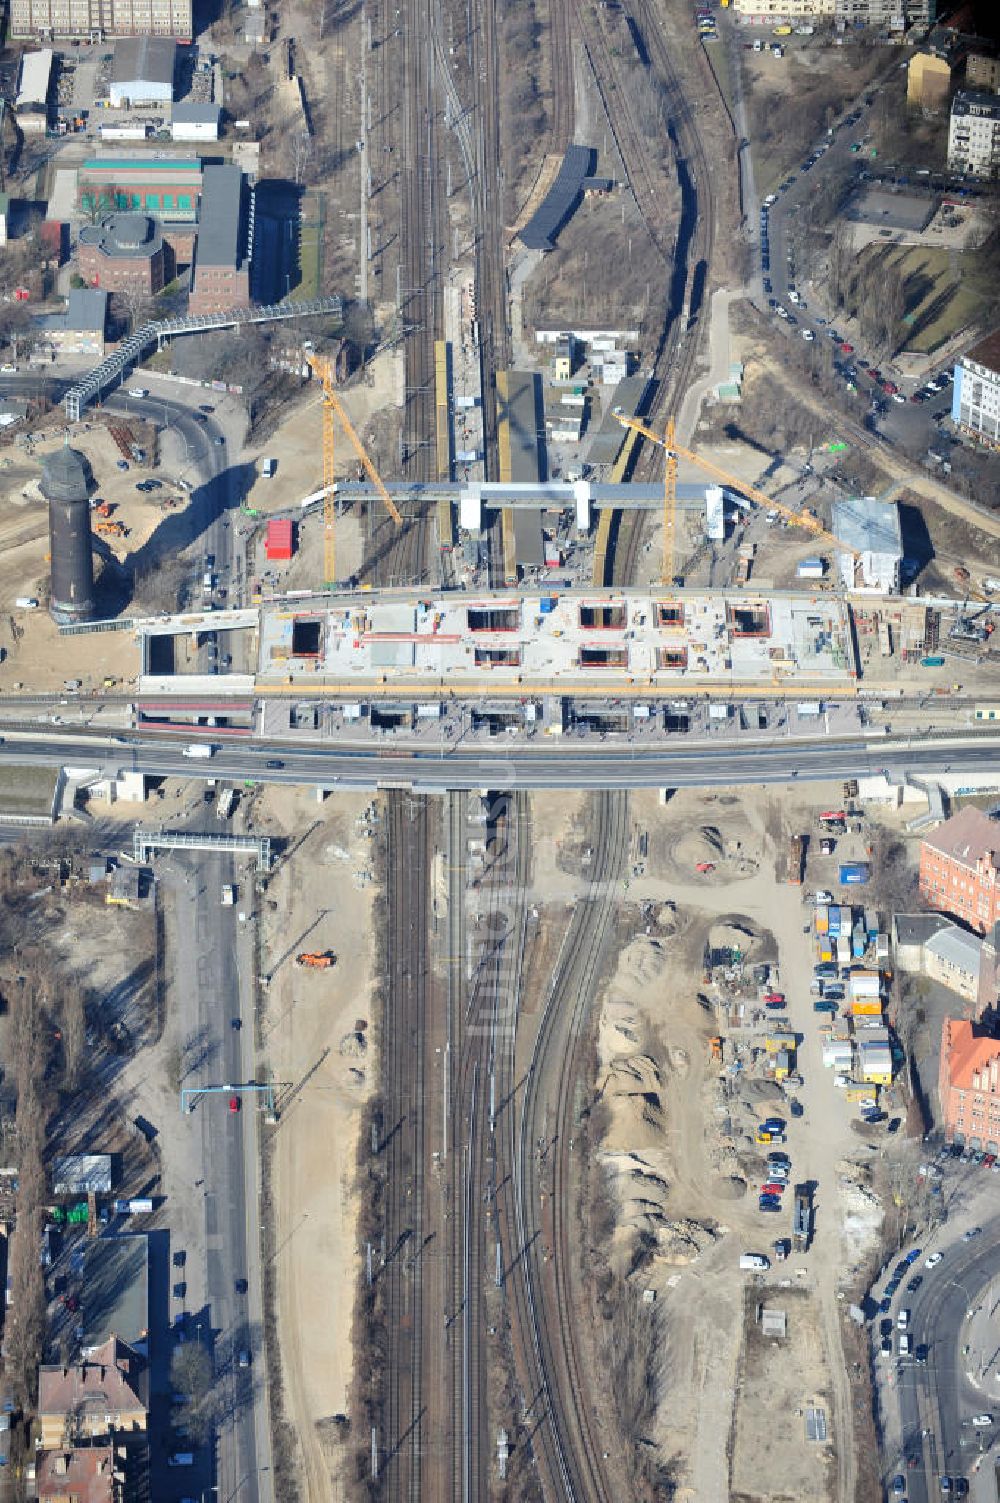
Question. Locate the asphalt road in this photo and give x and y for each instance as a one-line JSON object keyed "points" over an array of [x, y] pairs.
{"points": [[211, 988], [561, 766], [938, 1311]]}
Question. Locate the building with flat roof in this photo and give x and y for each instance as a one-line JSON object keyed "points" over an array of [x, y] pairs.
{"points": [[31, 107], [124, 253], [116, 1291], [166, 187], [974, 133], [969, 1083], [82, 1174], [975, 399], [94, 20], [191, 121], [106, 1391], [143, 71], [960, 868], [221, 273], [873, 530]]}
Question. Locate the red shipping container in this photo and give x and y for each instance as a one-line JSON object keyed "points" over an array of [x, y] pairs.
{"points": [[54, 235], [280, 541]]}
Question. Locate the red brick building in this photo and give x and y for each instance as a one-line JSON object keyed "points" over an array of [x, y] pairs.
{"points": [[124, 253], [969, 1084], [960, 868], [221, 274]]}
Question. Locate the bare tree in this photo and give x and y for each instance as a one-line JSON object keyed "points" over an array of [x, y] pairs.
{"points": [[301, 150]]}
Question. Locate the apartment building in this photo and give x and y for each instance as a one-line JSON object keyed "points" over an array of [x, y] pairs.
{"points": [[975, 402], [974, 133], [897, 15], [928, 80], [760, 12], [97, 19], [960, 868], [982, 72]]}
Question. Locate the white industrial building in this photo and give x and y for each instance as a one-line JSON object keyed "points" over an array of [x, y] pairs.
{"points": [[195, 122], [872, 529], [31, 105], [974, 133], [143, 72], [976, 397]]}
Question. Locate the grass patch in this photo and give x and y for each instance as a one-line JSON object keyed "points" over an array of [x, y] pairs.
{"points": [[941, 291], [718, 61], [27, 789], [310, 247]]}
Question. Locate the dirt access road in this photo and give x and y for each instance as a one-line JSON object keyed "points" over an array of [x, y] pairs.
{"points": [[315, 1037]]}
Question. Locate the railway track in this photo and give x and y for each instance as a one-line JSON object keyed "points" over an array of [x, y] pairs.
{"points": [[539, 1238], [481, 1044], [391, 555], [409, 880], [677, 346]]}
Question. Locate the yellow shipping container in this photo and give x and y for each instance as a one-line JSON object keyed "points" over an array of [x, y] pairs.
{"points": [[782, 31], [867, 1007]]}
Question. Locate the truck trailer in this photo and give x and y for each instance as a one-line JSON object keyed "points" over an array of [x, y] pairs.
{"points": [[198, 749], [802, 1218]]}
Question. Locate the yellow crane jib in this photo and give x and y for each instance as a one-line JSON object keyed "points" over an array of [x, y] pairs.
{"points": [[675, 451], [333, 408]]}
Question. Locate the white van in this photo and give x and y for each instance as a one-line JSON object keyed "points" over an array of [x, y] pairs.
{"points": [[138, 392], [26, 603], [754, 1260]]}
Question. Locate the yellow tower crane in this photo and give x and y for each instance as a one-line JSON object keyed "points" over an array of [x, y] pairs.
{"points": [[675, 451], [333, 408]]}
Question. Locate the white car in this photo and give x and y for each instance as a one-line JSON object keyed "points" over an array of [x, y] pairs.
{"points": [[868, 1104], [139, 392], [823, 897], [982, 1421], [843, 1081], [897, 396], [933, 1260], [808, 334]]}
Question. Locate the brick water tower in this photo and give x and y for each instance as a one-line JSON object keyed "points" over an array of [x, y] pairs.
{"points": [[65, 485]]}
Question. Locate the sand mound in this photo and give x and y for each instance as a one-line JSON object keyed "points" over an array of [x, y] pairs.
{"points": [[684, 1241]]}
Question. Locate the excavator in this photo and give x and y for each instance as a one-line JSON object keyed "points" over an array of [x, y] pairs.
{"points": [[316, 960]]}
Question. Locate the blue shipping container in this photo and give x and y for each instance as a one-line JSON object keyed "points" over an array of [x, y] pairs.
{"points": [[859, 941], [855, 873], [548, 604], [834, 921]]}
